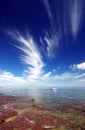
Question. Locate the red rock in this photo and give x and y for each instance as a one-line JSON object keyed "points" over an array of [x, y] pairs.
{"points": [[41, 119], [37, 106], [20, 123], [38, 126], [19, 105], [65, 122], [6, 112], [6, 126], [77, 106], [6, 99], [32, 100], [2, 119]]}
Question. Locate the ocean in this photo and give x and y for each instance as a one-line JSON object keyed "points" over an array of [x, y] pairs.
{"points": [[47, 95]]}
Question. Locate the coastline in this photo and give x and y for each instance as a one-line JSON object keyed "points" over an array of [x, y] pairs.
{"points": [[31, 115]]}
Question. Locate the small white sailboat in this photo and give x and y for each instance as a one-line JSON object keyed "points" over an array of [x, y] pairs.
{"points": [[54, 89]]}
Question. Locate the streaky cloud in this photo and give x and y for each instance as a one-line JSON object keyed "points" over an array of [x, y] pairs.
{"points": [[76, 15], [62, 76], [52, 41], [47, 6], [47, 75], [31, 55], [51, 36], [80, 76]]}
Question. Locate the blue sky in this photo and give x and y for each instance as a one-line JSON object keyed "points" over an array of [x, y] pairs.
{"points": [[42, 43]]}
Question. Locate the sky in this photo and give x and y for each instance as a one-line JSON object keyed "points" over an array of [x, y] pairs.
{"points": [[42, 43]]}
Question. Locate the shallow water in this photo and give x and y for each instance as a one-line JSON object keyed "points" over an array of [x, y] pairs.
{"points": [[40, 109], [43, 95]]}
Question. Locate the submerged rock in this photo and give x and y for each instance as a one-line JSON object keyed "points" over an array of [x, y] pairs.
{"points": [[6, 99], [7, 112], [2, 118]]}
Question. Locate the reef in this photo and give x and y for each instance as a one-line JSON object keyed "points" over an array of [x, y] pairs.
{"points": [[30, 115]]}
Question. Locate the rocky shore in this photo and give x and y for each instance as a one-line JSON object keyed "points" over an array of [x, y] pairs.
{"points": [[29, 115]]}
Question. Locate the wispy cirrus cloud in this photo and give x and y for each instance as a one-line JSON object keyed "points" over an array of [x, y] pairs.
{"points": [[47, 6], [31, 55], [47, 75], [76, 7], [63, 76], [51, 36], [80, 76], [52, 42], [71, 16]]}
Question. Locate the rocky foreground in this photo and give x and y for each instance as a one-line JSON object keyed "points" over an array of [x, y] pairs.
{"points": [[30, 115]]}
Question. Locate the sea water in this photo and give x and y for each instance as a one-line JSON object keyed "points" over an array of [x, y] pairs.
{"points": [[48, 95], [62, 108]]}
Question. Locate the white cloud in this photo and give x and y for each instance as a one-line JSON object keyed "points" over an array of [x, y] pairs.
{"points": [[76, 15], [52, 36], [58, 77], [78, 83], [80, 66], [31, 54], [8, 79], [66, 79], [80, 76], [52, 41], [63, 76], [47, 75], [47, 6]]}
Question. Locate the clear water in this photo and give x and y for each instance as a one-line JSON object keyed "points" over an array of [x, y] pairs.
{"points": [[47, 95], [61, 103]]}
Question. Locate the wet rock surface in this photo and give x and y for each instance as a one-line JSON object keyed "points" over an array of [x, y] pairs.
{"points": [[6, 99], [30, 115]]}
